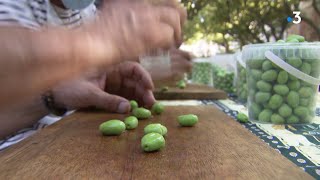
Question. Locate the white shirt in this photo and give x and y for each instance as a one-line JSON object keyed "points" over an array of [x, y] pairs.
{"points": [[38, 14]]}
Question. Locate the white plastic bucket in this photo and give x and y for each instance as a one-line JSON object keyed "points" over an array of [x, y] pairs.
{"points": [[282, 81]]}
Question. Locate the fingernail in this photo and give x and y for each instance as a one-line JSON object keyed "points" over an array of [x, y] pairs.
{"points": [[123, 107]]}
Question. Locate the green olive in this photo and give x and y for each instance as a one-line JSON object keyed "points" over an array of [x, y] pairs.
{"points": [[112, 127], [241, 117], [256, 74], [131, 122], [294, 85], [293, 119], [293, 78], [255, 64], [164, 130], [133, 104], [265, 115], [283, 77], [301, 111], [275, 101], [295, 62], [304, 101], [297, 37], [281, 41], [293, 99], [270, 75], [293, 41], [152, 142], [254, 111], [264, 86], [285, 110], [277, 119], [157, 108], [305, 92], [306, 68], [188, 120], [181, 84], [156, 128], [262, 97], [267, 65], [141, 113], [281, 89]]}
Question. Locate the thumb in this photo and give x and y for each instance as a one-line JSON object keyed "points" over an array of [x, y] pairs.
{"points": [[109, 102]]}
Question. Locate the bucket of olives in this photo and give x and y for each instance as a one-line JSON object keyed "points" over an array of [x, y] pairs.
{"points": [[223, 79], [241, 79], [282, 81], [202, 72]]}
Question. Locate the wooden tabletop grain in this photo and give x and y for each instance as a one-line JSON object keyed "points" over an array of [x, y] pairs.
{"points": [[216, 148]]}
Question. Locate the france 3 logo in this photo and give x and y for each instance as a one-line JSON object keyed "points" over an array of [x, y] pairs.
{"points": [[296, 19]]}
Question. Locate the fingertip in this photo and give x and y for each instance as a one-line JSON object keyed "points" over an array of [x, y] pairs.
{"points": [[149, 99], [123, 107]]}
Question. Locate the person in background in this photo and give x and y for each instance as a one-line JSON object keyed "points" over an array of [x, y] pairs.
{"points": [[65, 58]]}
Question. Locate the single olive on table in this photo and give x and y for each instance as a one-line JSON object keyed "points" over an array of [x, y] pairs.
{"points": [[141, 113], [156, 128], [112, 127], [131, 122], [241, 117], [152, 142], [157, 108], [133, 104], [277, 95], [181, 84], [188, 120]]}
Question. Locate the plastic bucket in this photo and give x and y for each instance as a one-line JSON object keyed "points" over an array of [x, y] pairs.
{"points": [[282, 80], [241, 79], [202, 72]]}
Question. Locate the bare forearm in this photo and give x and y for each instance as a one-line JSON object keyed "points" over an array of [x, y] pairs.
{"points": [[20, 116], [31, 62]]}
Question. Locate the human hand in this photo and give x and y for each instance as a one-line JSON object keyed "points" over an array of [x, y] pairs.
{"points": [[133, 28], [162, 3], [180, 64], [109, 89]]}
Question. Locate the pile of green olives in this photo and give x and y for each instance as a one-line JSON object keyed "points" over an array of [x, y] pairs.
{"points": [[275, 95]]}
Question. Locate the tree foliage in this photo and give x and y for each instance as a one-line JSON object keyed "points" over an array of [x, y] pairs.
{"points": [[242, 21]]}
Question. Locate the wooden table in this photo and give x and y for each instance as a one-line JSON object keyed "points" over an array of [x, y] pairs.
{"points": [[216, 148], [192, 91]]}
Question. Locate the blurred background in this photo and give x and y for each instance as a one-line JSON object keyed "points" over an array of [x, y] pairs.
{"points": [[225, 26], [217, 29]]}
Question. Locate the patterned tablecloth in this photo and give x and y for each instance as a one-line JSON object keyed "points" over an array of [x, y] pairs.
{"points": [[299, 143]]}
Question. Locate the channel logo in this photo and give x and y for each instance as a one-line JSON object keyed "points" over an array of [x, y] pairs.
{"points": [[296, 19]]}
